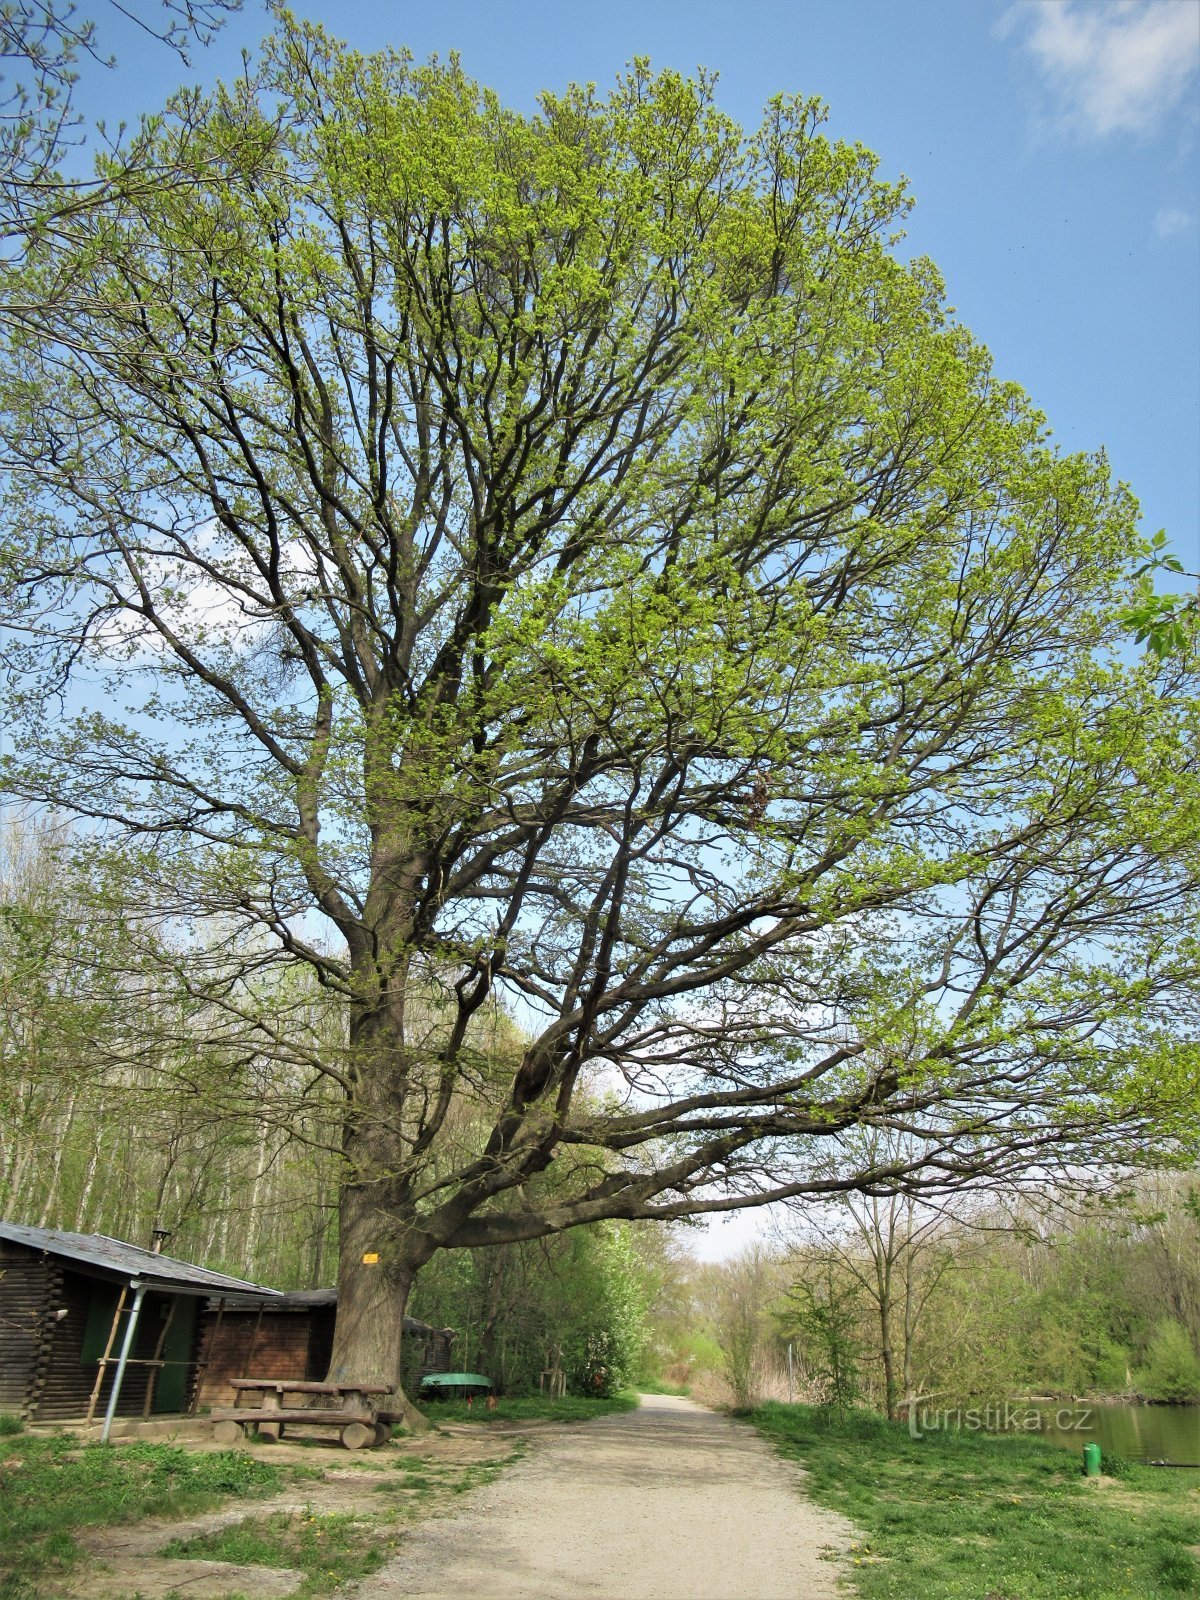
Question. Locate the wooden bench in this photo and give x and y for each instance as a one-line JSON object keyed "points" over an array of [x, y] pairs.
{"points": [[355, 1418]]}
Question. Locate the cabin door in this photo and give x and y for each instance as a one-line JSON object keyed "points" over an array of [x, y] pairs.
{"points": [[170, 1393]]}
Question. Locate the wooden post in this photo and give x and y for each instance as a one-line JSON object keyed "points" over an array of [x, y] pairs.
{"points": [[155, 1360], [112, 1334], [203, 1364], [254, 1340]]}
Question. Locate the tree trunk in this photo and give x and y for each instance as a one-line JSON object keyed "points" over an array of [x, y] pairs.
{"points": [[89, 1177], [883, 1299], [889, 1374], [494, 1306], [60, 1145], [376, 1269], [380, 1245], [909, 1324]]}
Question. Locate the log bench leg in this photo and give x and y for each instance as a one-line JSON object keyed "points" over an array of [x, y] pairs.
{"points": [[357, 1434], [228, 1433], [268, 1429]]}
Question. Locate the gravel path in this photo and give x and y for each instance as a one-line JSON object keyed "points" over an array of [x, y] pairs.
{"points": [[670, 1502]]}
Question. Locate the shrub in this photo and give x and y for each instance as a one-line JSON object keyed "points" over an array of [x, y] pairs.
{"points": [[1170, 1371], [1110, 1373]]}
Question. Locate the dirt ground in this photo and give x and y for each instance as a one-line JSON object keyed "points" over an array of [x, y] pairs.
{"points": [[124, 1561], [670, 1502]]}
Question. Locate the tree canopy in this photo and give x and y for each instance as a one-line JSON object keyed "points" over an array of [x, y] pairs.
{"points": [[573, 560], [41, 50]]}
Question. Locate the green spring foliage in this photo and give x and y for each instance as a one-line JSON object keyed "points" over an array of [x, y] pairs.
{"points": [[576, 1302], [1171, 1370]]}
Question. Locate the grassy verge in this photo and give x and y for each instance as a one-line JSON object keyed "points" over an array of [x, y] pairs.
{"points": [[332, 1549], [52, 1485], [530, 1408], [328, 1549], [962, 1516], [657, 1386]]}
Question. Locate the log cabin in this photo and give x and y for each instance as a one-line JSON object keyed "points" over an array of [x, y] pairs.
{"points": [[66, 1301]]}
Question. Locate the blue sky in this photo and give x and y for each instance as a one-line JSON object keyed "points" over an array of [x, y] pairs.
{"points": [[1053, 147]]}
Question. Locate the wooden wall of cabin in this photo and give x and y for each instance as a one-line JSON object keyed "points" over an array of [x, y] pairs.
{"points": [[233, 1350], [437, 1354], [26, 1280], [424, 1350], [71, 1358], [292, 1343]]}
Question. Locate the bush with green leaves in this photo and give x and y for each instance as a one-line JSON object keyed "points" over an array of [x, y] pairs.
{"points": [[1170, 1371], [824, 1316], [576, 1302]]}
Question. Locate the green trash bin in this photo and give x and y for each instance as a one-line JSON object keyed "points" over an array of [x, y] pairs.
{"points": [[1091, 1460]]}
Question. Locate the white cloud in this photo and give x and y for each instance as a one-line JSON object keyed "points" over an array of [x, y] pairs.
{"points": [[191, 599], [1117, 67], [1171, 220]]}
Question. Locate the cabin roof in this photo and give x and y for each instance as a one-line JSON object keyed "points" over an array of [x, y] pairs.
{"points": [[300, 1300], [249, 1299], [97, 1252]]}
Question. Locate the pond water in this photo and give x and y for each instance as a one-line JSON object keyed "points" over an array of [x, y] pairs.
{"points": [[1138, 1433]]}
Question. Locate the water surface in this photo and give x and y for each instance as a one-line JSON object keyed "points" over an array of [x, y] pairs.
{"points": [[1137, 1433]]}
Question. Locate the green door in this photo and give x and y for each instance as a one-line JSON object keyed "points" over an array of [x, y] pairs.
{"points": [[170, 1393]]}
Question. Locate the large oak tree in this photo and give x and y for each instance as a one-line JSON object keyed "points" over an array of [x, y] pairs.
{"points": [[572, 560]]}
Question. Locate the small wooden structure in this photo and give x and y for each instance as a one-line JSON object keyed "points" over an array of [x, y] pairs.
{"points": [[94, 1326], [552, 1380], [290, 1335], [345, 1408]]}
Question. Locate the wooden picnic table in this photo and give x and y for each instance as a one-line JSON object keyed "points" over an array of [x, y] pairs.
{"points": [[354, 1415]]}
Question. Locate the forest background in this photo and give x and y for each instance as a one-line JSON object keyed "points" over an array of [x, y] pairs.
{"points": [[118, 1116]]}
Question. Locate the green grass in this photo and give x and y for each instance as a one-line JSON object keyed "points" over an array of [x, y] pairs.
{"points": [[328, 1549], [454, 1477], [51, 1485], [530, 1408], [971, 1516], [333, 1549], [657, 1386]]}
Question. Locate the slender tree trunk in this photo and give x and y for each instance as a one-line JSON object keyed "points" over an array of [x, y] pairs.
{"points": [[889, 1372], [494, 1306], [909, 1323], [16, 1173], [883, 1299], [89, 1177], [60, 1144], [223, 1226], [254, 1222]]}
